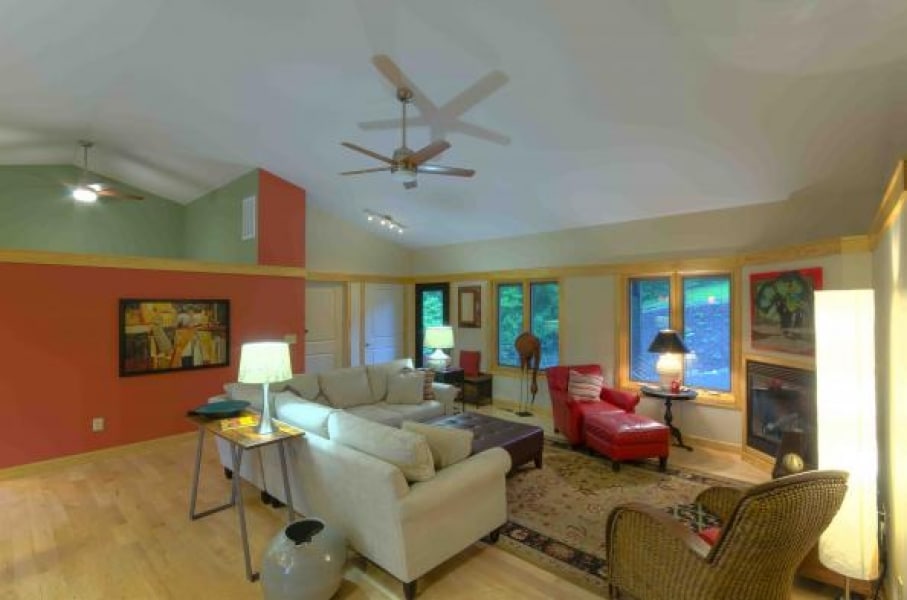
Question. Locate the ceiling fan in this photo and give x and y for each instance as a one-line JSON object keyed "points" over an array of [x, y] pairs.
{"points": [[87, 191], [406, 163]]}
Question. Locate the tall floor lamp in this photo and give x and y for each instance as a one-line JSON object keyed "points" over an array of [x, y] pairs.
{"points": [[846, 420]]}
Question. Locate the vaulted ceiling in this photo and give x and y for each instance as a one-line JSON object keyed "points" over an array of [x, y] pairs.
{"points": [[572, 113]]}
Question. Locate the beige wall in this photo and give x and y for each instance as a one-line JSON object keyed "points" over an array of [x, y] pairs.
{"points": [[890, 284], [336, 246], [728, 231]]}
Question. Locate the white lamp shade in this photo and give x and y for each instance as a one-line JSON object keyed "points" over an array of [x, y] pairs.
{"points": [[846, 420], [438, 337], [265, 362]]}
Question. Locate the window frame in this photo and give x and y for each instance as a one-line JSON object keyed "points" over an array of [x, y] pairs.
{"points": [[526, 284], [676, 308]]}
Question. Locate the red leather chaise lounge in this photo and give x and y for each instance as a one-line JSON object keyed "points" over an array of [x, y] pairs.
{"points": [[569, 413]]}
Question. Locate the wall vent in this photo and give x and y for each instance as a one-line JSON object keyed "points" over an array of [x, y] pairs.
{"points": [[249, 218]]}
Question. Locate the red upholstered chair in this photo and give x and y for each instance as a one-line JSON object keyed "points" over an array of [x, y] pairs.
{"points": [[569, 413], [477, 386]]}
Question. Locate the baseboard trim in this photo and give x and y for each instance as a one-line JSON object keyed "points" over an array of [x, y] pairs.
{"points": [[85, 457], [702, 442]]}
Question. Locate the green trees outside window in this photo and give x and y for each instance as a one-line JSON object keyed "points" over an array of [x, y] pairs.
{"points": [[542, 313]]}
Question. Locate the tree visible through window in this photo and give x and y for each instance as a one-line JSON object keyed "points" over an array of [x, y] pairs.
{"points": [[542, 315], [510, 322], [650, 311], [432, 312]]}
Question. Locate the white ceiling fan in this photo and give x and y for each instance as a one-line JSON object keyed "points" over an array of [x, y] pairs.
{"points": [[87, 191], [406, 163]]}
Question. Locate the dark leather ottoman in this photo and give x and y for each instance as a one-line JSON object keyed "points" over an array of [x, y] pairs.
{"points": [[523, 442]]}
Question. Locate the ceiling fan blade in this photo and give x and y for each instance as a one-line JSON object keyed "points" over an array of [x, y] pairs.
{"points": [[368, 152], [375, 170], [112, 193], [408, 185], [439, 170], [477, 92], [428, 152], [395, 76]]}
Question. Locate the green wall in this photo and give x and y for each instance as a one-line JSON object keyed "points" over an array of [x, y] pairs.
{"points": [[37, 213], [214, 223]]}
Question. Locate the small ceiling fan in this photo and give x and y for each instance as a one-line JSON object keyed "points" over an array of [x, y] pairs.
{"points": [[406, 163], [87, 191]]}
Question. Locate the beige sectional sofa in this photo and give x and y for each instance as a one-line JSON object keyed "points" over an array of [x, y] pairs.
{"points": [[362, 391], [403, 499]]}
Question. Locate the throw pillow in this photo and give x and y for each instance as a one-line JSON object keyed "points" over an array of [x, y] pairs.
{"points": [[428, 391], [448, 445], [305, 385], [377, 375], [406, 450], [586, 387], [405, 388], [345, 388]]}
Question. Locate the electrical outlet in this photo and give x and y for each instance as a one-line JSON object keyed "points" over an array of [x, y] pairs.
{"points": [[97, 424]]}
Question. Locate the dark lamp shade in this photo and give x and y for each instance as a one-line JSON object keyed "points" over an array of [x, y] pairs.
{"points": [[668, 342]]}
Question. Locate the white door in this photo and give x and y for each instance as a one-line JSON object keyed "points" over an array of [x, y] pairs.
{"points": [[383, 312], [324, 310]]}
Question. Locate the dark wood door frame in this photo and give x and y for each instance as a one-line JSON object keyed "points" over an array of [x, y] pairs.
{"points": [[444, 288]]}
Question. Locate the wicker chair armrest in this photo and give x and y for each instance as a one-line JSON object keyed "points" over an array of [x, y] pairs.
{"points": [[720, 501], [669, 525]]}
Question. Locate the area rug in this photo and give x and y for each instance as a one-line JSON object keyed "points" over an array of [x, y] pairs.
{"points": [[557, 514]]}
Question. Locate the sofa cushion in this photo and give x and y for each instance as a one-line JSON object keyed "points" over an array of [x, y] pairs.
{"points": [[448, 446], [377, 375], [379, 413], [414, 412], [428, 390], [251, 392], [345, 388], [585, 386], [310, 416], [406, 450], [405, 388], [305, 385]]}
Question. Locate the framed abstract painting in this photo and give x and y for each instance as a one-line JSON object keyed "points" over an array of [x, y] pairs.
{"points": [[781, 310], [157, 336]]}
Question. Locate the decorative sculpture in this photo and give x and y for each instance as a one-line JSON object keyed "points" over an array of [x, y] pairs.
{"points": [[529, 348]]}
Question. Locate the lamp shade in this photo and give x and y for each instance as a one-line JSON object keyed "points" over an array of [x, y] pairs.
{"points": [[667, 341], [846, 421], [264, 362], [438, 337]]}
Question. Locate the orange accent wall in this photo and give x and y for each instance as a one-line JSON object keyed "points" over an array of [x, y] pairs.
{"points": [[59, 350], [281, 221]]}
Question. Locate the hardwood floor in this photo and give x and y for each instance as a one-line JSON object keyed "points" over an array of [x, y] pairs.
{"points": [[116, 526]]}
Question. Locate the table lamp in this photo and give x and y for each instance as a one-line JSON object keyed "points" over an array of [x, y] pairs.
{"points": [[265, 363], [439, 338], [668, 344]]}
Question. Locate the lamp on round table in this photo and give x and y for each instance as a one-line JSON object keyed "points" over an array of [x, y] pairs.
{"points": [[671, 348]]}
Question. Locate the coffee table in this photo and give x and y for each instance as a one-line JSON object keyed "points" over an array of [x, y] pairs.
{"points": [[523, 442]]}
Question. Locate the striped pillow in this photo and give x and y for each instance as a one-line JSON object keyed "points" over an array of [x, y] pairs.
{"points": [[585, 386], [428, 392]]}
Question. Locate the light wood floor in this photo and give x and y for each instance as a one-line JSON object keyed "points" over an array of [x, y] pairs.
{"points": [[117, 526]]}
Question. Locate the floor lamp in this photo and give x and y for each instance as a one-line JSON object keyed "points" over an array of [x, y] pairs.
{"points": [[846, 420]]}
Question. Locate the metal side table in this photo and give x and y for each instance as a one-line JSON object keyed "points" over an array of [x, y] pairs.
{"points": [[242, 436]]}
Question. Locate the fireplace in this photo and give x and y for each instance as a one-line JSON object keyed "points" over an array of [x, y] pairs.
{"points": [[781, 410]]}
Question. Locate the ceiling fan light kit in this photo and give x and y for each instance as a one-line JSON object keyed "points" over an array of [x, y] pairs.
{"points": [[88, 193], [85, 195], [406, 164]]}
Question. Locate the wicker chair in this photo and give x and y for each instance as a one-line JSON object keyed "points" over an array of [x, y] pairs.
{"points": [[767, 531]]}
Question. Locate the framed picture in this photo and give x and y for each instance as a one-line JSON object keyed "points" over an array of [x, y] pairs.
{"points": [[781, 310], [157, 336], [469, 306], [781, 410]]}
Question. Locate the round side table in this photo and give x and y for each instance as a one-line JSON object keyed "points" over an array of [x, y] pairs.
{"points": [[668, 396]]}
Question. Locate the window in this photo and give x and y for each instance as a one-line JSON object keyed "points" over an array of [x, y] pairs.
{"points": [[541, 312], [697, 306]]}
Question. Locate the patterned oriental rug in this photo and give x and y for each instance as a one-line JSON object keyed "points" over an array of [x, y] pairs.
{"points": [[558, 513]]}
